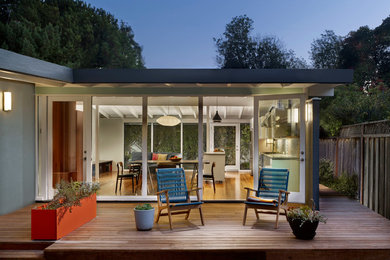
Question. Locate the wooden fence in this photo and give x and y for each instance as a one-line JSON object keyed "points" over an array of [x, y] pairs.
{"points": [[364, 149]]}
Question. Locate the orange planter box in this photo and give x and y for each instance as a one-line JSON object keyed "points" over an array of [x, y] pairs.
{"points": [[52, 224]]}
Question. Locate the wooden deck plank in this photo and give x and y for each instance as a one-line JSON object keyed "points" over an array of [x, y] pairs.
{"points": [[352, 232]]}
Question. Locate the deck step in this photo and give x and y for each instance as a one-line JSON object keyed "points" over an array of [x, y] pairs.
{"points": [[22, 254]]}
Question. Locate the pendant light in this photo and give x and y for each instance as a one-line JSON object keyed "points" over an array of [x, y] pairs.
{"points": [[217, 118], [168, 120]]}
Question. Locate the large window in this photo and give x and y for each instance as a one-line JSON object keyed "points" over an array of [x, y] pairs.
{"points": [[166, 139], [245, 146]]}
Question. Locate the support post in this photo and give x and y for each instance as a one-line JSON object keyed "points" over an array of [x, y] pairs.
{"points": [[144, 146], [316, 151], [255, 142], [200, 144]]}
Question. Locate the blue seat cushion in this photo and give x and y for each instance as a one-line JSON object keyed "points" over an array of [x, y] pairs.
{"points": [[261, 203], [186, 204]]}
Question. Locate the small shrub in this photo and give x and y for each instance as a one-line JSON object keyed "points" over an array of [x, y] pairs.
{"points": [[145, 206], [326, 172], [69, 194], [347, 185], [304, 214]]}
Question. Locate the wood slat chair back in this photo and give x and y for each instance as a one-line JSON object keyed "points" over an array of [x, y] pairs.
{"points": [[173, 180], [271, 181], [173, 195], [271, 194]]}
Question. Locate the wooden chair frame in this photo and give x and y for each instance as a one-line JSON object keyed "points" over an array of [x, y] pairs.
{"points": [[121, 175], [267, 209], [172, 209]]}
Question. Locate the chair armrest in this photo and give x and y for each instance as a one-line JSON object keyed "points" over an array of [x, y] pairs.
{"points": [[250, 189], [196, 189], [160, 192], [197, 193], [280, 197], [284, 191]]}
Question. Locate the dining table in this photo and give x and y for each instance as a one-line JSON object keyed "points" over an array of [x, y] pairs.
{"points": [[163, 163]]}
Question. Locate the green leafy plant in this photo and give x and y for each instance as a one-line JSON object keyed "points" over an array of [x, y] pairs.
{"points": [[326, 172], [304, 214], [145, 206], [347, 185], [69, 194]]}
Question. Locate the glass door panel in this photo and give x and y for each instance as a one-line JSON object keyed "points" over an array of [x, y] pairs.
{"points": [[279, 137], [67, 141], [225, 139]]}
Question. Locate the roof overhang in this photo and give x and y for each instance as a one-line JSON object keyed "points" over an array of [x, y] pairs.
{"points": [[45, 75]]}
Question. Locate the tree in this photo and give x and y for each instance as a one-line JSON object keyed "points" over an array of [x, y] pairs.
{"points": [[238, 49], [271, 54], [68, 32], [325, 51]]}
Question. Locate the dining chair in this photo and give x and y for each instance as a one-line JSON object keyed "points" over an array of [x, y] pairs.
{"points": [[210, 176], [134, 173]]}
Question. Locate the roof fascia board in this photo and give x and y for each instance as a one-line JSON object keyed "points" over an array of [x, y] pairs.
{"points": [[14, 62], [212, 76]]}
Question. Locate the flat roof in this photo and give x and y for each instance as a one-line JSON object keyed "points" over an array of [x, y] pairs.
{"points": [[12, 63]]}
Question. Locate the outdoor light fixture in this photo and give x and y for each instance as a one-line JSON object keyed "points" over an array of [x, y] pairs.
{"points": [[168, 120], [217, 118], [7, 101]]}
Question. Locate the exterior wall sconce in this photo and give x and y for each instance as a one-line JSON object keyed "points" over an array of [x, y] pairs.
{"points": [[7, 101]]}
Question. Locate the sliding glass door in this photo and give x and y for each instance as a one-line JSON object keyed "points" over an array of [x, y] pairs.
{"points": [[226, 138]]}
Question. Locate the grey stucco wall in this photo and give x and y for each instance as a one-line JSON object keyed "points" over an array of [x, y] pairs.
{"points": [[17, 148]]}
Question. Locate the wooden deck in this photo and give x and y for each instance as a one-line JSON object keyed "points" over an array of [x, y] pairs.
{"points": [[352, 232]]}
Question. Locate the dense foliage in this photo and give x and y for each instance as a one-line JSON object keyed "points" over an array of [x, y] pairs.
{"points": [[67, 32], [238, 49], [367, 52], [344, 184]]}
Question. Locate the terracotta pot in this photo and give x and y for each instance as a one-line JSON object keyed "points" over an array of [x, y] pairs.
{"points": [[52, 224], [306, 231]]}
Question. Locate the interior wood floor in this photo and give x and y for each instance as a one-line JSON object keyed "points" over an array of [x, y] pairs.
{"points": [[352, 232], [231, 189]]}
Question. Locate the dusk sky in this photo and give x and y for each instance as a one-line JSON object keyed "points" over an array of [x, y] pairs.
{"points": [[179, 33]]}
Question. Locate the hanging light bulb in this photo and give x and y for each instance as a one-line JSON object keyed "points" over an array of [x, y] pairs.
{"points": [[217, 118]]}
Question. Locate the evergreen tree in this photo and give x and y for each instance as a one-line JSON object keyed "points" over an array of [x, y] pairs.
{"points": [[68, 32]]}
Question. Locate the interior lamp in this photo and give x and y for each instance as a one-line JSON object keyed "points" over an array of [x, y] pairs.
{"points": [[216, 117], [7, 101], [168, 120]]}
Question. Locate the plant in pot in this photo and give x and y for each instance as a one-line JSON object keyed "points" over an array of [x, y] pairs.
{"points": [[304, 221], [73, 205], [144, 217]]}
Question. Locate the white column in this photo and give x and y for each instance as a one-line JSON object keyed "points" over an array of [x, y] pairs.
{"points": [[144, 146], [208, 129], [181, 138], [97, 118]]}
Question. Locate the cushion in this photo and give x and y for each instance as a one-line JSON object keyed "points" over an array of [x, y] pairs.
{"points": [[259, 199], [155, 156], [162, 157], [136, 156]]}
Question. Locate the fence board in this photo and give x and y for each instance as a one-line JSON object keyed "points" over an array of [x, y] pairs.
{"points": [[364, 150]]}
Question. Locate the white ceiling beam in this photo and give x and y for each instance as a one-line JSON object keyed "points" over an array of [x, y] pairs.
{"points": [[131, 110], [116, 111], [103, 113], [240, 113], [178, 112], [193, 111], [150, 115], [164, 111]]}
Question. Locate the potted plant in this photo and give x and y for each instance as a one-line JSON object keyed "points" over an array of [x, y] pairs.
{"points": [[144, 217], [304, 222], [73, 205]]}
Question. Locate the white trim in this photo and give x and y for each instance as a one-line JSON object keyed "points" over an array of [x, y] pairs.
{"points": [[144, 146], [200, 145], [297, 197]]}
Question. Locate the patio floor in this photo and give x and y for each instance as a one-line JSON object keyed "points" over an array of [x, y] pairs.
{"points": [[352, 232]]}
